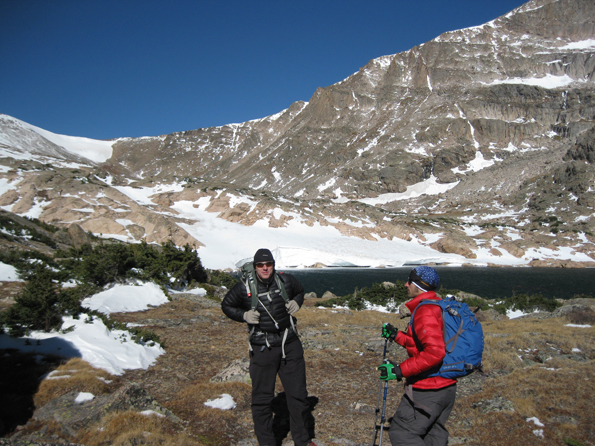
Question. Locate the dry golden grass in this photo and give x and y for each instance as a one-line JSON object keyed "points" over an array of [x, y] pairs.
{"points": [[339, 320], [528, 364], [192, 399], [507, 341], [132, 428], [189, 404], [75, 375]]}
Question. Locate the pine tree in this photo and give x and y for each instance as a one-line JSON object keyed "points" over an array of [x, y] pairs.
{"points": [[37, 307]]}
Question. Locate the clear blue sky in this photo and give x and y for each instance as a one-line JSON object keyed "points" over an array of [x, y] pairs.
{"points": [[113, 68]]}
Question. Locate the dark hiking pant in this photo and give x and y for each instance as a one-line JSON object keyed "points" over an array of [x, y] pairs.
{"points": [[413, 426], [264, 367]]}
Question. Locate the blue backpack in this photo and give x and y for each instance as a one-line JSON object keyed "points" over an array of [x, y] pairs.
{"points": [[463, 338]]}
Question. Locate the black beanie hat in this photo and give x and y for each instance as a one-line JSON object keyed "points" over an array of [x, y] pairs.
{"points": [[263, 255]]}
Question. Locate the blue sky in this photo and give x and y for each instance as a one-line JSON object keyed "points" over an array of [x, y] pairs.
{"points": [[116, 68]]}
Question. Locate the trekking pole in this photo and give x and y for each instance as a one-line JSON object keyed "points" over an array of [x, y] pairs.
{"points": [[380, 427]]}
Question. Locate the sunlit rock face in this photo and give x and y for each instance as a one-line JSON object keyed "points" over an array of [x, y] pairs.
{"points": [[478, 144]]}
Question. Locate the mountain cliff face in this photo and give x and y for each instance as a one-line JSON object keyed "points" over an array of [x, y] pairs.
{"points": [[499, 118]]}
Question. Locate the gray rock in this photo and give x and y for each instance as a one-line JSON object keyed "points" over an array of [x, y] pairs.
{"points": [[235, 371], [581, 301], [497, 404], [404, 311], [489, 315], [571, 308], [362, 408], [74, 416], [328, 295]]}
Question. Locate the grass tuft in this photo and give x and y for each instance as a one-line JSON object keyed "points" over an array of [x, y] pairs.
{"points": [[133, 428], [74, 375]]}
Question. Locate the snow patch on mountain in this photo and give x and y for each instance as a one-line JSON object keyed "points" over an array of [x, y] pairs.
{"points": [[91, 149], [428, 187], [548, 81]]}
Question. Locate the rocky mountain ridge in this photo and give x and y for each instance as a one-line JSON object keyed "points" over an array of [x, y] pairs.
{"points": [[498, 118]]}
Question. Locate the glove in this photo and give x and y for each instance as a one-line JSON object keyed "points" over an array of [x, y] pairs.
{"points": [[389, 370], [389, 332], [292, 307], [252, 317]]}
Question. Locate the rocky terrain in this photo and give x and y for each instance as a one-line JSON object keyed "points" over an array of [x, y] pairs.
{"points": [[206, 356], [498, 118], [536, 367]]}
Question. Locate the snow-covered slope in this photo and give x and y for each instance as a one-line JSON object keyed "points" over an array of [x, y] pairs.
{"points": [[29, 139], [475, 147]]}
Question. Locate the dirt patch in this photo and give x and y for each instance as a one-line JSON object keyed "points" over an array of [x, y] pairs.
{"points": [[530, 373]]}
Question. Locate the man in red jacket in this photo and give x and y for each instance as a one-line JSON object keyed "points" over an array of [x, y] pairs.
{"points": [[428, 400]]}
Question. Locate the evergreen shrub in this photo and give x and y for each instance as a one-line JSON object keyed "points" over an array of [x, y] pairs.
{"points": [[39, 306], [220, 278], [43, 302], [533, 302], [377, 294]]}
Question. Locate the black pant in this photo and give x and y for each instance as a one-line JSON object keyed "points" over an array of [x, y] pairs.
{"points": [[414, 426], [265, 364]]}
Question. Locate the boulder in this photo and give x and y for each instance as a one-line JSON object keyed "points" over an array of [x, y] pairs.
{"points": [[73, 416], [489, 315], [78, 235], [404, 311], [328, 295], [456, 244], [235, 371]]}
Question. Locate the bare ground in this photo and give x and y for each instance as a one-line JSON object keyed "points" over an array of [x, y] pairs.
{"points": [[341, 360], [536, 369]]}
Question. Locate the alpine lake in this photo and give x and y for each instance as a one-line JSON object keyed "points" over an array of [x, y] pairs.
{"points": [[487, 282]]}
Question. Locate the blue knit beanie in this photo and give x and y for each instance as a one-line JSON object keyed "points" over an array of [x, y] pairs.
{"points": [[425, 278]]}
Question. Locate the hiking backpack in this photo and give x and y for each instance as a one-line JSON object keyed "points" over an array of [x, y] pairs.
{"points": [[463, 338], [249, 279]]}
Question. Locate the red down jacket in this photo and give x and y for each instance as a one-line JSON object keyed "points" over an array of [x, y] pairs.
{"points": [[425, 355]]}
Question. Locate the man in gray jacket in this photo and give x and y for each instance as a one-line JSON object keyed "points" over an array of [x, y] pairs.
{"points": [[274, 347]]}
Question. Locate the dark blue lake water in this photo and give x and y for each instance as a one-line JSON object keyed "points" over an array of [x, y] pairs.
{"points": [[485, 282]]}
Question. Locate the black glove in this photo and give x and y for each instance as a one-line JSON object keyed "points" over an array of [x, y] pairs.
{"points": [[389, 370], [389, 332]]}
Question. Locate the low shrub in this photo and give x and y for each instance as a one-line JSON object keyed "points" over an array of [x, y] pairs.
{"points": [[220, 278], [533, 302], [377, 294], [482, 304]]}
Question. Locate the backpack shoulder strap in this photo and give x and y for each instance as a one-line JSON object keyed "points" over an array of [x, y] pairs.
{"points": [[249, 277], [281, 284], [423, 302]]}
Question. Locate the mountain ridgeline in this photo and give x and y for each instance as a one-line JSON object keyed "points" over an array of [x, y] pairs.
{"points": [[499, 116]]}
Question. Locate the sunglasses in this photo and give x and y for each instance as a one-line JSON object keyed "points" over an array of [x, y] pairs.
{"points": [[263, 264]]}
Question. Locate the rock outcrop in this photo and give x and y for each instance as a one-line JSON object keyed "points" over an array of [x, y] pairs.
{"points": [[499, 117]]}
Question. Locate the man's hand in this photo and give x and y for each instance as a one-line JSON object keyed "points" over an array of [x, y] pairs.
{"points": [[252, 317], [389, 370], [292, 307], [389, 332]]}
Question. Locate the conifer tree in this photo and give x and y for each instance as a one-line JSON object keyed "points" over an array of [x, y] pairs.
{"points": [[37, 307]]}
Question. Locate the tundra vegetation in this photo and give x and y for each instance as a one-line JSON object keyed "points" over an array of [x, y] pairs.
{"points": [[535, 387]]}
